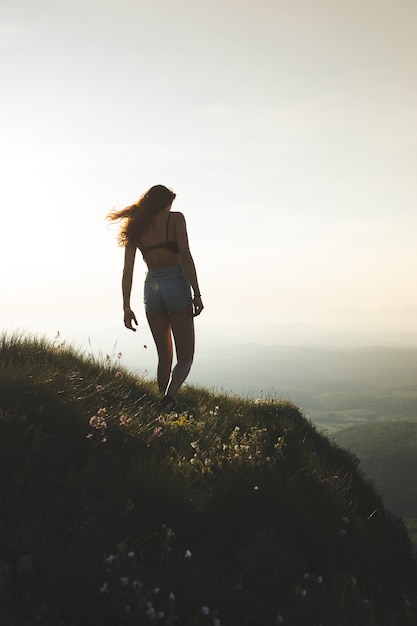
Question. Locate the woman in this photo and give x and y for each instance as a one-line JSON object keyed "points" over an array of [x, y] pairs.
{"points": [[161, 236]]}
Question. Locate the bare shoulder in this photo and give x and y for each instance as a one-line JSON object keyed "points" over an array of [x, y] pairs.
{"points": [[179, 220], [181, 233], [178, 217]]}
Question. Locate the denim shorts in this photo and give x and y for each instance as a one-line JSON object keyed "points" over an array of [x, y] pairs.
{"points": [[166, 290]]}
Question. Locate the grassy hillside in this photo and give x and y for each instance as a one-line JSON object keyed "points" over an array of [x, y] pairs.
{"points": [[227, 512], [388, 456]]}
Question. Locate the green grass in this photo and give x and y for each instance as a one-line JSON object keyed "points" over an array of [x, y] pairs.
{"points": [[227, 512], [388, 456]]}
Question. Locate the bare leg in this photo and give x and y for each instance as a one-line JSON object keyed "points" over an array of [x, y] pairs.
{"points": [[182, 324], [161, 332]]}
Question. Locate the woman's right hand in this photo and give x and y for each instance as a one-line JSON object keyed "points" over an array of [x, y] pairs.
{"points": [[130, 317], [198, 305]]}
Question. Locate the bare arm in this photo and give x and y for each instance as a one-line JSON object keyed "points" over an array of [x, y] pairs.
{"points": [[129, 316], [187, 261]]}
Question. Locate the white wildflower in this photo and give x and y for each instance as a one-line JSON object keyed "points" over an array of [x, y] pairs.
{"points": [[110, 558]]}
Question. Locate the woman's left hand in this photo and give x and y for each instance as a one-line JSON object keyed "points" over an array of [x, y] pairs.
{"points": [[198, 305], [130, 317]]}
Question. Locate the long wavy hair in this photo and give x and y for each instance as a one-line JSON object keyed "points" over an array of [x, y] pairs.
{"points": [[138, 216]]}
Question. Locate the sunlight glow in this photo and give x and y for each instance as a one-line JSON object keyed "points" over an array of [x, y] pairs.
{"points": [[291, 154]]}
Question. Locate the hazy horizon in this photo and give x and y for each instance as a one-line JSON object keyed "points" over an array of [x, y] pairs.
{"points": [[218, 347]]}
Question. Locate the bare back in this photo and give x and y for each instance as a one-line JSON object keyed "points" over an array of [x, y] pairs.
{"points": [[153, 243]]}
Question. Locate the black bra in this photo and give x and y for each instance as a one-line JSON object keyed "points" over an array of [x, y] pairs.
{"points": [[172, 246]]}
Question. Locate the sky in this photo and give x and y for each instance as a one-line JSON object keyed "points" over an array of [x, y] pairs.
{"points": [[287, 128]]}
